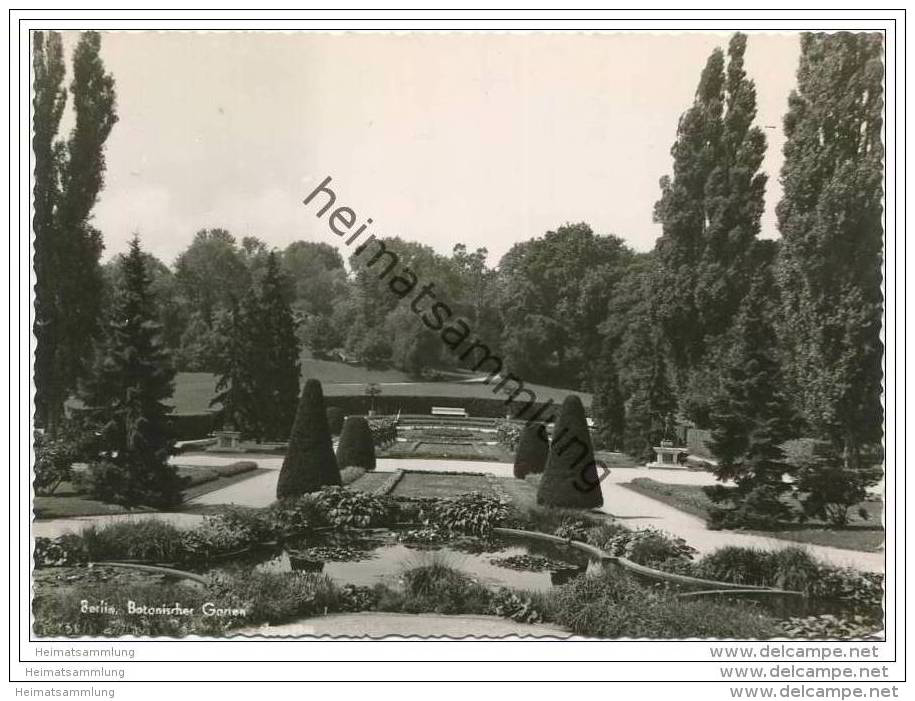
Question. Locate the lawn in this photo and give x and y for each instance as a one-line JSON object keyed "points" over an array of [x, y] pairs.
{"points": [[194, 390], [446, 450], [67, 502], [860, 534]]}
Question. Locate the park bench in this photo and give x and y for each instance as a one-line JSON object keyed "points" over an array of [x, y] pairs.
{"points": [[449, 411]]}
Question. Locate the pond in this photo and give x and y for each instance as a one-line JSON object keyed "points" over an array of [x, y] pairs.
{"points": [[381, 557]]}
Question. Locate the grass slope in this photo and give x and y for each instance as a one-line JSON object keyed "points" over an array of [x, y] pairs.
{"points": [[194, 390]]}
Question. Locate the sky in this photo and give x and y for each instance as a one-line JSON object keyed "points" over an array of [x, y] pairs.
{"points": [[485, 139]]}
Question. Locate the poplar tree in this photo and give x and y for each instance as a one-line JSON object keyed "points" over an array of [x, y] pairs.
{"points": [[124, 397], [830, 219], [710, 213], [68, 177]]}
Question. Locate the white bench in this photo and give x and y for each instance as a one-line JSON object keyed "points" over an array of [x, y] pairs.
{"points": [[449, 411]]}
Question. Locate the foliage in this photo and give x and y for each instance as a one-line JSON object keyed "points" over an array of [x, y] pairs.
{"points": [[350, 474], [258, 367], [573, 529], [56, 453], [124, 397], [147, 539], [555, 291], [710, 215], [310, 463], [648, 546], [830, 220], [356, 447], [66, 549], [760, 508], [570, 477], [829, 627], [611, 605], [508, 433], [533, 450], [439, 588], [295, 516], [751, 418], [384, 430], [472, 513], [520, 608], [69, 174], [335, 417], [344, 508], [794, 569], [829, 489]]}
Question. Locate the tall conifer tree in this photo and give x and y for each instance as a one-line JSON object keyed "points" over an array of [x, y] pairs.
{"points": [[710, 212], [259, 365], [830, 219], [751, 417], [124, 398]]}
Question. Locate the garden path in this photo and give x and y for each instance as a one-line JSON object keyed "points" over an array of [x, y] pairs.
{"points": [[634, 509], [380, 625]]}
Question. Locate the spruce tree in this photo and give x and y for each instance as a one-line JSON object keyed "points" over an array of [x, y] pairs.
{"points": [[751, 418], [68, 177], [533, 450], [607, 405], [276, 357], [124, 399], [235, 389], [570, 477], [356, 447], [258, 367], [830, 219], [310, 463]]}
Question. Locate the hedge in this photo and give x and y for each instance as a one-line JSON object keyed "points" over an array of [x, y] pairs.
{"points": [[189, 427], [494, 408]]}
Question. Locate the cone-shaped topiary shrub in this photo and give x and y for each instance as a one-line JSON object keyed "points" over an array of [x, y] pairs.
{"points": [[570, 478], [533, 449], [356, 448], [310, 463], [335, 417]]}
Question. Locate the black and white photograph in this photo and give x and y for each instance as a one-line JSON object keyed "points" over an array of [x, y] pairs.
{"points": [[458, 335]]}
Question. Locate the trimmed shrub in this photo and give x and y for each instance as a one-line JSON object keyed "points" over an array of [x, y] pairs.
{"points": [[335, 417], [570, 477], [310, 463], [357, 446], [533, 451]]}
